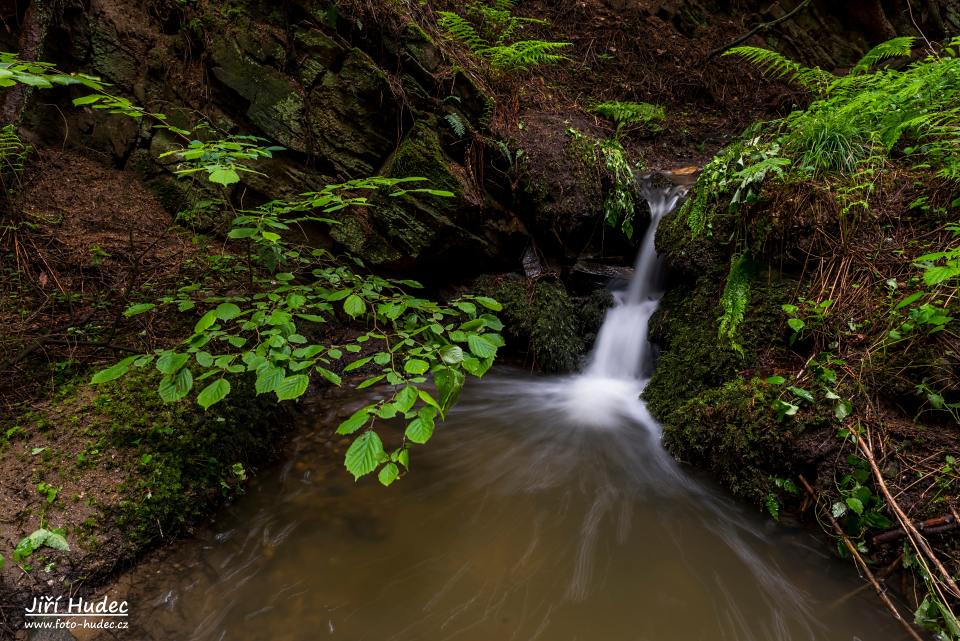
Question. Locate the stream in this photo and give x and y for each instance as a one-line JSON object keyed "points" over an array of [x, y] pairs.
{"points": [[542, 509]]}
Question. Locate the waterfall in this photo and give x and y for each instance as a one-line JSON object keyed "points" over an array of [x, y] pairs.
{"points": [[622, 350], [608, 391]]}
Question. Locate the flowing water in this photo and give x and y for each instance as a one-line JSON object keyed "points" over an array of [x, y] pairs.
{"points": [[544, 509]]}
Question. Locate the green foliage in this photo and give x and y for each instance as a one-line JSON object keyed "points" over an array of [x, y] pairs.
{"points": [[265, 334], [806, 316], [865, 114], [859, 508], [456, 123], [620, 204], [734, 301], [222, 159], [775, 64], [631, 114], [38, 539], [489, 32]]}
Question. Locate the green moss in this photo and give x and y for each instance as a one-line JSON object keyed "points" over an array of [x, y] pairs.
{"points": [[172, 463], [731, 431], [543, 321]]}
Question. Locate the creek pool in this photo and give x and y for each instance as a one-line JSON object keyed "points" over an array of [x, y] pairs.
{"points": [[514, 523]]}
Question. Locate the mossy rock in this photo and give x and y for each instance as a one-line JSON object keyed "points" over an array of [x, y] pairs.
{"points": [[180, 461], [544, 322], [733, 432]]}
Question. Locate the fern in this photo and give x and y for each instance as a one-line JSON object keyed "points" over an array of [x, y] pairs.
{"points": [[734, 301], [631, 114], [523, 55], [488, 31], [458, 28], [895, 48], [457, 124], [772, 63]]}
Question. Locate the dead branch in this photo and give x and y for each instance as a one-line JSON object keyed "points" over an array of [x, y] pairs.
{"points": [[763, 26], [914, 535], [863, 566], [930, 526]]}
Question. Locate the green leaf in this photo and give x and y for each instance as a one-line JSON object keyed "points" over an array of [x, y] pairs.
{"points": [[242, 232], [357, 420], [364, 454], [388, 474], [292, 387], [416, 366], [451, 354], [477, 367], [113, 372], [139, 308], [855, 504], [86, 100], [843, 410], [170, 362], [776, 380], [489, 303], [205, 322], [227, 311], [802, 393], [354, 306], [838, 509], [373, 380], [331, 377], [480, 346], [449, 383], [224, 176], [420, 430], [405, 399], [173, 388], [213, 393], [796, 324], [23, 550]]}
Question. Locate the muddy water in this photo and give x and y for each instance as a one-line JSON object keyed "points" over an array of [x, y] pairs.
{"points": [[514, 524]]}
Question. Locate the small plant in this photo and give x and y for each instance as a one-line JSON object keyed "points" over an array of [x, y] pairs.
{"points": [[859, 508], [49, 492], [806, 316], [39, 539], [631, 114], [734, 301], [488, 31], [224, 159]]}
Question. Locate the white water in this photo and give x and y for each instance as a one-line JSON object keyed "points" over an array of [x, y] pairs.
{"points": [[621, 363]]}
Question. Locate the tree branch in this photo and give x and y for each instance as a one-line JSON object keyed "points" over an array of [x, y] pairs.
{"points": [[763, 26]]}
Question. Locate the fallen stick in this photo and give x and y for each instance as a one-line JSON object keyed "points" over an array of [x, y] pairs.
{"points": [[930, 526], [763, 26], [863, 566], [915, 537]]}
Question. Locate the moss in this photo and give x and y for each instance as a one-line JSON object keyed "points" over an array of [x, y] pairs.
{"points": [[731, 431], [543, 321], [177, 461]]}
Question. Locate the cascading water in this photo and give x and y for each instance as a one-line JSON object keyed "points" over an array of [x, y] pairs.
{"points": [[621, 362]]}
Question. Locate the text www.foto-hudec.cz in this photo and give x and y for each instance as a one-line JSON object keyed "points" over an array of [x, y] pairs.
{"points": [[46, 613]]}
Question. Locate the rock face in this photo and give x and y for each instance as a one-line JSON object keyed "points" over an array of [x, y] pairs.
{"points": [[344, 106]]}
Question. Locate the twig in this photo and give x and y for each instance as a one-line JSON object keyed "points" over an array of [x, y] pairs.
{"points": [[915, 537], [930, 526], [763, 26], [863, 566]]}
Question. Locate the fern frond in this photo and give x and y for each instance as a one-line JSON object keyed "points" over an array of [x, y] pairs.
{"points": [[459, 28], [774, 64], [894, 48], [734, 301], [522, 55], [630, 113], [457, 124]]}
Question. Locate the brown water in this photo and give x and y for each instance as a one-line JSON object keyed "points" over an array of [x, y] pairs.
{"points": [[514, 524]]}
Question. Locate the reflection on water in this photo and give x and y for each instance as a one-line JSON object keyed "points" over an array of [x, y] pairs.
{"points": [[514, 524]]}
